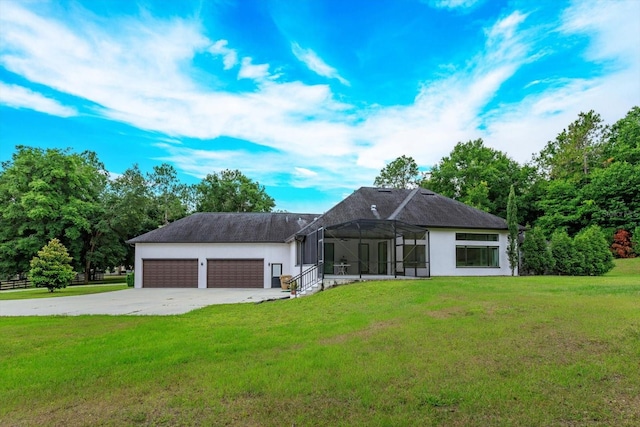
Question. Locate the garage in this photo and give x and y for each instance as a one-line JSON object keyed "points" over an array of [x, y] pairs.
{"points": [[170, 273], [235, 273]]}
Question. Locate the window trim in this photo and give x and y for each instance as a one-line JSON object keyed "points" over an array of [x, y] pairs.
{"points": [[497, 256], [478, 237]]}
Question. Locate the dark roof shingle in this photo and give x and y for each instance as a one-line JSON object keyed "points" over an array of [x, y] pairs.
{"points": [[419, 207], [228, 228]]}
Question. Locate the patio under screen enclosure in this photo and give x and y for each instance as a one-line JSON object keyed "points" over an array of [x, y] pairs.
{"points": [[366, 247]]}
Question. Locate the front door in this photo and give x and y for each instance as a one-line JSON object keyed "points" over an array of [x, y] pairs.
{"points": [[382, 257], [276, 272]]}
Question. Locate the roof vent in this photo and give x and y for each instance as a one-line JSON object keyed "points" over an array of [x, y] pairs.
{"points": [[427, 193], [384, 190]]}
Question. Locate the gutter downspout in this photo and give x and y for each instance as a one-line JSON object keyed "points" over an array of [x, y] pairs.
{"points": [[395, 250], [359, 245]]}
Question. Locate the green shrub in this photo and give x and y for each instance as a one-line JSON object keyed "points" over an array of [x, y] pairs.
{"points": [[536, 256], [635, 241], [566, 259], [593, 245], [130, 280], [51, 268]]}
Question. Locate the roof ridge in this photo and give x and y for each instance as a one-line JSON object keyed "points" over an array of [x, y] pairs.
{"points": [[402, 205]]}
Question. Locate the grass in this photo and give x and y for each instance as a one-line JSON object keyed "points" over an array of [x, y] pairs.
{"points": [[65, 292], [446, 351], [626, 267]]}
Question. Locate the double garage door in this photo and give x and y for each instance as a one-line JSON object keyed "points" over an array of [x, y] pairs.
{"points": [[221, 273]]}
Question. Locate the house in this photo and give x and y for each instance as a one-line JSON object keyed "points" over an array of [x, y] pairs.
{"points": [[375, 232]]}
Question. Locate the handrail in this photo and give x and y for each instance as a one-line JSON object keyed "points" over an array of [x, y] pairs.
{"points": [[306, 279]]}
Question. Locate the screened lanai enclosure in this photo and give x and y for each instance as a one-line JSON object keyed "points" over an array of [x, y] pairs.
{"points": [[366, 247]]}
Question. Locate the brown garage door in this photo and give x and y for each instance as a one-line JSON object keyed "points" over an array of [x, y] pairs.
{"points": [[170, 273], [235, 273]]}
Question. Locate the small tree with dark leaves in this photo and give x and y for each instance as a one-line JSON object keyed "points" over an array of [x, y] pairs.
{"points": [[621, 246]]}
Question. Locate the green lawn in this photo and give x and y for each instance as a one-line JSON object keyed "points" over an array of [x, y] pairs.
{"points": [[65, 292], [626, 267], [447, 351]]}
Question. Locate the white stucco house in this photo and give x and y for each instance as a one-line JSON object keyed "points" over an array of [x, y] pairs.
{"points": [[373, 233]]}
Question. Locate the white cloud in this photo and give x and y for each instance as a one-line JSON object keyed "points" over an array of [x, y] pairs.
{"points": [[305, 173], [139, 72], [613, 27], [251, 71], [524, 128], [229, 56], [448, 110], [316, 64], [19, 97]]}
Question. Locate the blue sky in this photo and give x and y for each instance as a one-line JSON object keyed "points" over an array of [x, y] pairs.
{"points": [[310, 98]]}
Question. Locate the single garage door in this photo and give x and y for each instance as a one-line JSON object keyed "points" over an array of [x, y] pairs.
{"points": [[170, 273], [235, 273]]}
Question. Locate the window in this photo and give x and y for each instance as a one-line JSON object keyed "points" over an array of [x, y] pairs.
{"points": [[477, 237], [415, 256], [477, 256]]}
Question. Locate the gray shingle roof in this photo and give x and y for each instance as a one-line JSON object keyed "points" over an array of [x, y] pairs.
{"points": [[229, 228], [417, 207]]}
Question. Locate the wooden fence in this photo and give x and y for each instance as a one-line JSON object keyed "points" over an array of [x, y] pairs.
{"points": [[26, 283]]}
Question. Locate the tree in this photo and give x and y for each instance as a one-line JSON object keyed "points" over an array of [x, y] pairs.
{"points": [[576, 150], [593, 176], [566, 260], [623, 144], [51, 268], [621, 246], [595, 249], [47, 194], [560, 203], [536, 258], [130, 211], [231, 191], [512, 223], [611, 198], [166, 189], [401, 173], [478, 176]]}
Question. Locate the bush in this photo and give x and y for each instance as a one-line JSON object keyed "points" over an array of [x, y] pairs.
{"points": [[621, 246], [51, 268], [567, 261], [536, 257], [635, 241], [597, 257], [131, 280]]}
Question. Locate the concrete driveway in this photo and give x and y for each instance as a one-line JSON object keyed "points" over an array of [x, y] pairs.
{"points": [[137, 302]]}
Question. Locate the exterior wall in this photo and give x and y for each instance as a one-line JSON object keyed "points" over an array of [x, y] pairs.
{"points": [[443, 253], [272, 253]]}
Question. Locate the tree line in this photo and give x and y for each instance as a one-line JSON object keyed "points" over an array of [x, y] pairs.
{"points": [[48, 194], [588, 176]]}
